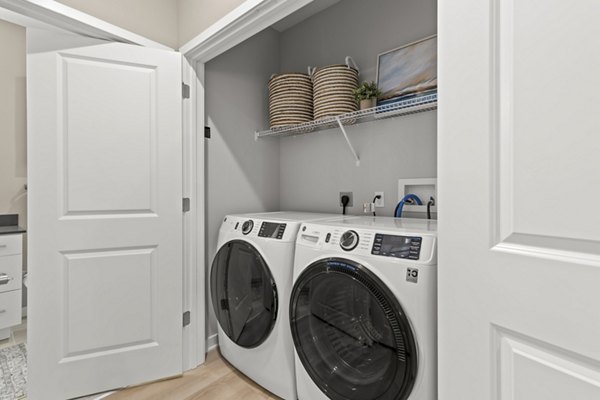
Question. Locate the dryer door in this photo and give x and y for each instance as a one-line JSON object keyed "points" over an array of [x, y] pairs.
{"points": [[351, 334], [244, 294]]}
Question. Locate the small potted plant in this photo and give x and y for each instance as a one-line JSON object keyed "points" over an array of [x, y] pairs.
{"points": [[366, 95]]}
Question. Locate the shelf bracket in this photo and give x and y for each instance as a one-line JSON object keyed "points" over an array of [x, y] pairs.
{"points": [[343, 129], [256, 136]]}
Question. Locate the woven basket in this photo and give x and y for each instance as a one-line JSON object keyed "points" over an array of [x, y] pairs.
{"points": [[290, 100], [333, 87]]}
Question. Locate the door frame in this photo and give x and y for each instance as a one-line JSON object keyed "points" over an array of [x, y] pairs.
{"points": [[245, 21]]}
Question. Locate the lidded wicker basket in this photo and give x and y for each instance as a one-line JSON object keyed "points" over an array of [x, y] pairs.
{"points": [[290, 99], [333, 88]]}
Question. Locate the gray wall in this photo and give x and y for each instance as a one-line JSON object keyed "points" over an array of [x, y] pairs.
{"points": [[317, 166], [242, 175]]}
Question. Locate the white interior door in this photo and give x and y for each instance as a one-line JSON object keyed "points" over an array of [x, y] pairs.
{"points": [[519, 173], [105, 227]]}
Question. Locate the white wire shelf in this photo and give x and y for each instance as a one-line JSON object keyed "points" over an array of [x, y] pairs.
{"points": [[405, 107]]}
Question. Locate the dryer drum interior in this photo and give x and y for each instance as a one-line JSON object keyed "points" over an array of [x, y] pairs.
{"points": [[351, 334], [244, 294]]}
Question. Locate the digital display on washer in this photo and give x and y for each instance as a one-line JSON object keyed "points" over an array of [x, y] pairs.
{"points": [[272, 230], [397, 246]]}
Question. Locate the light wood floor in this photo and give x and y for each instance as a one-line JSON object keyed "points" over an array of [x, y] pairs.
{"points": [[214, 380]]}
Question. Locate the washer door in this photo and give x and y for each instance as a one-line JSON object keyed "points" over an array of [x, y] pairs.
{"points": [[244, 294], [351, 334]]}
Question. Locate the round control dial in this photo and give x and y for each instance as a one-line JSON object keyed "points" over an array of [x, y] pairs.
{"points": [[247, 227], [349, 240]]}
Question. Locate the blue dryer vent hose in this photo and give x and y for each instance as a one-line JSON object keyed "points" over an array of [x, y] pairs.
{"points": [[408, 199]]}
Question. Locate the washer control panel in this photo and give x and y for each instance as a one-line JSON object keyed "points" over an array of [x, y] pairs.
{"points": [[397, 246], [416, 246], [272, 230]]}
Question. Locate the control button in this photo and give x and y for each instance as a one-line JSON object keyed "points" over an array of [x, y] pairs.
{"points": [[236, 225], [327, 238], [247, 226], [349, 240]]}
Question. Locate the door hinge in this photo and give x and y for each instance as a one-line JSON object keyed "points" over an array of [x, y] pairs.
{"points": [[186, 204], [187, 318], [185, 91], [207, 132]]}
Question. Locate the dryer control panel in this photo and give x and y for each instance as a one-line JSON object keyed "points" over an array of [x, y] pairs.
{"points": [[272, 230], [397, 246]]}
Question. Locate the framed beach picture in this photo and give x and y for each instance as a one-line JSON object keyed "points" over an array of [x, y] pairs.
{"points": [[408, 71]]}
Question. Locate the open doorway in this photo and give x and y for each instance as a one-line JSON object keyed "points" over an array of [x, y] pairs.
{"points": [[13, 193]]}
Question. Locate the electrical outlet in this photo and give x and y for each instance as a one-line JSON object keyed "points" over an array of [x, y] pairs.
{"points": [[349, 194], [380, 202]]}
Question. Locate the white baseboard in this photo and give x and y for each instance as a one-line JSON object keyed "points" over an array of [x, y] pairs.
{"points": [[212, 342], [104, 395]]}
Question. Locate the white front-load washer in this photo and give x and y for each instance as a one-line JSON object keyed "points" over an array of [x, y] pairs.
{"points": [[363, 309], [251, 282]]}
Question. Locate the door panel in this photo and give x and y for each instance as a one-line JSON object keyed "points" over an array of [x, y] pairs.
{"points": [[547, 149], [105, 228], [530, 369], [519, 276], [99, 176]]}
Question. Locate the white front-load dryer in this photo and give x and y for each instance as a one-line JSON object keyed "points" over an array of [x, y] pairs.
{"points": [[363, 309], [251, 282]]}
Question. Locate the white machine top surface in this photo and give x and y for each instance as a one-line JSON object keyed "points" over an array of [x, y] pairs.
{"points": [[404, 225], [409, 240], [288, 216]]}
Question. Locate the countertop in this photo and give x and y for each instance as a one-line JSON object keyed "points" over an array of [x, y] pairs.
{"points": [[9, 224], [11, 229]]}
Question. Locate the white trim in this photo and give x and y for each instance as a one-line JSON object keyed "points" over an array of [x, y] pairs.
{"points": [[25, 21], [251, 17], [196, 113], [104, 395], [57, 15], [194, 271], [242, 23], [212, 342]]}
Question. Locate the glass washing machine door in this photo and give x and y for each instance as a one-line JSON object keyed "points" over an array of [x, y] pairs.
{"points": [[244, 294], [351, 334]]}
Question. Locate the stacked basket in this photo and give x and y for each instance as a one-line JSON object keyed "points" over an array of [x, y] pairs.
{"points": [[333, 90], [290, 100]]}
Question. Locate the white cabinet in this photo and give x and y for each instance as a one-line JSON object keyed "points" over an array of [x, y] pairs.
{"points": [[11, 266]]}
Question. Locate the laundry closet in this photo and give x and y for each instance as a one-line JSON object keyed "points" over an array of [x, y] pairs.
{"points": [[307, 172]]}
